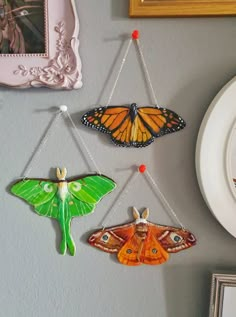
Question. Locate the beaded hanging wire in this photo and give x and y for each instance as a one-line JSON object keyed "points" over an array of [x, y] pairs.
{"points": [[130, 125], [142, 169], [48, 132], [135, 40]]}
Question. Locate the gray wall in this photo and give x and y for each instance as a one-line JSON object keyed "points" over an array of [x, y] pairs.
{"points": [[189, 61]]}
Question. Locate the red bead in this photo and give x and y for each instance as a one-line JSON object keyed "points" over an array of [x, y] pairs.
{"points": [[135, 35], [142, 168]]}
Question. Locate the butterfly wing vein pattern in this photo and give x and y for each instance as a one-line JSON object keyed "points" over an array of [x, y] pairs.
{"points": [[142, 242], [64, 200], [130, 126]]}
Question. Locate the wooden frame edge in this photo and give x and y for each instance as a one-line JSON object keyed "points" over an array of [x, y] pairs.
{"points": [[138, 8]]}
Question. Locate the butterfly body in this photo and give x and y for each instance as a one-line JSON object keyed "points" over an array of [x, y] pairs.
{"points": [[142, 242], [62, 190], [132, 126], [63, 200], [133, 112]]}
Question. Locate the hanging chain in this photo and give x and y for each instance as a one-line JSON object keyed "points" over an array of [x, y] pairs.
{"points": [[163, 199], [123, 193], [119, 72], [42, 143], [119, 199], [146, 72], [83, 143], [148, 78], [48, 132]]}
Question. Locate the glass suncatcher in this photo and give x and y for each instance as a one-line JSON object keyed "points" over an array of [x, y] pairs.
{"points": [[133, 126], [63, 199], [141, 241]]}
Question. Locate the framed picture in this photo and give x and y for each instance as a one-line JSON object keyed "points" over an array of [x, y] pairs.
{"points": [[181, 8], [216, 157], [39, 44], [223, 295]]}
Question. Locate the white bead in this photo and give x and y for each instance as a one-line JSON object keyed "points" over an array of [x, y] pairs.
{"points": [[63, 108]]}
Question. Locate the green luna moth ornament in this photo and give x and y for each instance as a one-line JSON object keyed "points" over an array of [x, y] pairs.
{"points": [[63, 200]]}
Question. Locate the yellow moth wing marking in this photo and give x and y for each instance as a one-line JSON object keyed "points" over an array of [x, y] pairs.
{"points": [[124, 125], [149, 111], [104, 118], [123, 136]]}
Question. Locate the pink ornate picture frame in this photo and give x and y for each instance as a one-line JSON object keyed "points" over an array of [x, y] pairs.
{"points": [[39, 44]]}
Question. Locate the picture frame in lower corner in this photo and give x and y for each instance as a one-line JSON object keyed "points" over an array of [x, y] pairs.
{"points": [[223, 295], [39, 44]]}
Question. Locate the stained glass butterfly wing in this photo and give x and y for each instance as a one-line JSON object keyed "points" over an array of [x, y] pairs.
{"points": [[138, 251], [152, 252], [105, 119], [117, 122], [160, 121], [132, 126], [132, 251], [86, 192], [172, 239], [112, 239], [83, 194], [91, 189], [132, 133], [129, 253], [79, 198], [39, 193], [149, 123]]}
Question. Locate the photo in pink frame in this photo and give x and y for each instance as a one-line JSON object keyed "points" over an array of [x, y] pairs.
{"points": [[39, 44]]}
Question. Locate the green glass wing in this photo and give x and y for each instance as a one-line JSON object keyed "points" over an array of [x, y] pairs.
{"points": [[50, 208], [75, 207], [92, 188], [35, 191]]}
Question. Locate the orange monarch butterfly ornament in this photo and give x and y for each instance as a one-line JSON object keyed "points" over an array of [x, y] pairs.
{"points": [[141, 241], [130, 126]]}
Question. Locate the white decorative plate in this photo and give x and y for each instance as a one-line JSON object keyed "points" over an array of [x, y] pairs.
{"points": [[216, 157]]}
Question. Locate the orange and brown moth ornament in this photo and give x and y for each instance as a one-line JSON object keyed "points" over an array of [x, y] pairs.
{"points": [[141, 241]]}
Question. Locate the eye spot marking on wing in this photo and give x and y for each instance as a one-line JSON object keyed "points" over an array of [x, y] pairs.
{"points": [[47, 188], [154, 251], [176, 238], [76, 187], [129, 251], [105, 237], [71, 203], [54, 205]]}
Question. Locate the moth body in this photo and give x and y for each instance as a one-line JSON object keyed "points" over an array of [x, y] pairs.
{"points": [[63, 200], [141, 230], [133, 112], [62, 190], [141, 241]]}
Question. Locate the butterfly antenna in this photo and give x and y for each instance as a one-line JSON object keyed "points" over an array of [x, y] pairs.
{"points": [[136, 213], [145, 214], [64, 172], [61, 174]]}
